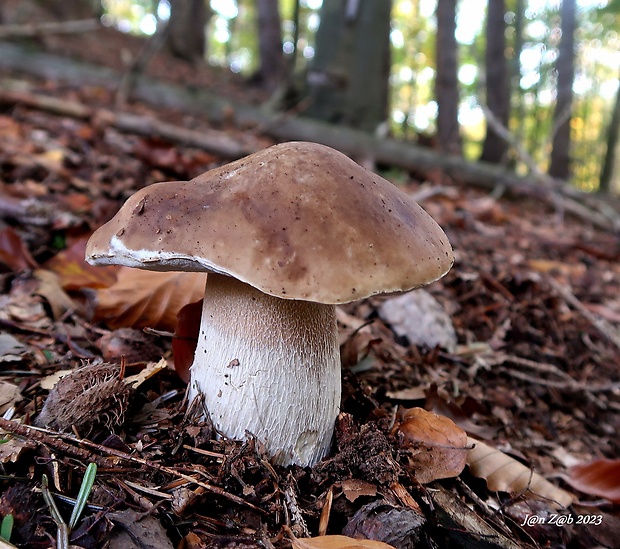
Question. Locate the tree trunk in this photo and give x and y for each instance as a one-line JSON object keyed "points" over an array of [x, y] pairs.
{"points": [[186, 29], [609, 164], [517, 91], [271, 69], [446, 81], [560, 153], [497, 89], [348, 79]]}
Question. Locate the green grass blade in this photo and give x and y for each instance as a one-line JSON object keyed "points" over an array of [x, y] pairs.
{"points": [[6, 528], [82, 498]]}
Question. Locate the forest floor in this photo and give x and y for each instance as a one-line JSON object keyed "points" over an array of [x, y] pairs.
{"points": [[534, 298]]}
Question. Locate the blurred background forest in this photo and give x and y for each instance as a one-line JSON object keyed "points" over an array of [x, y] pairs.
{"points": [[529, 84]]}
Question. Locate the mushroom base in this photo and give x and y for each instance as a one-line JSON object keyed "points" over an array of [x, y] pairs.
{"points": [[268, 367]]}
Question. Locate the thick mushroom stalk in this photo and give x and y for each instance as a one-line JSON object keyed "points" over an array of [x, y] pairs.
{"points": [[269, 367]]}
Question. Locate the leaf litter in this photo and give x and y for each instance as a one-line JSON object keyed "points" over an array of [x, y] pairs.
{"points": [[535, 375]]}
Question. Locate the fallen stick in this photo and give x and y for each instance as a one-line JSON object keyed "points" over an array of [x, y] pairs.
{"points": [[49, 27], [214, 141]]}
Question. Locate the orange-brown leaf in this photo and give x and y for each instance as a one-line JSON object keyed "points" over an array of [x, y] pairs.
{"points": [[75, 274], [338, 542], [505, 474], [600, 477], [437, 447], [146, 298]]}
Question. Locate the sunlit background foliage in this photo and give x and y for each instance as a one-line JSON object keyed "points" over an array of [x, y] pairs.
{"points": [[232, 44]]}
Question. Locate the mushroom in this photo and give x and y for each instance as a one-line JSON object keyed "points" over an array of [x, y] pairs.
{"points": [[285, 234]]}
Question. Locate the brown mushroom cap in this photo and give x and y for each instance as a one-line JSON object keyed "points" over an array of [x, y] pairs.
{"points": [[297, 221]]}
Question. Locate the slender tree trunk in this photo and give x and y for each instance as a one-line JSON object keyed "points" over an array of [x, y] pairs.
{"points": [[446, 82], [560, 153], [613, 135], [497, 89], [348, 80], [271, 69], [517, 90], [186, 29]]}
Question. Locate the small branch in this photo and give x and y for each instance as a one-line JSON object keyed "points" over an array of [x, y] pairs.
{"points": [[49, 27]]}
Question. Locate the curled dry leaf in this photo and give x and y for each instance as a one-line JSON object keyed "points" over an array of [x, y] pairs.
{"points": [[505, 474], [437, 448], [600, 477], [338, 542], [147, 298]]}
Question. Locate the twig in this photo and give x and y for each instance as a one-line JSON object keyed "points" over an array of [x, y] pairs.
{"points": [[49, 27], [606, 329], [573, 385], [140, 62]]}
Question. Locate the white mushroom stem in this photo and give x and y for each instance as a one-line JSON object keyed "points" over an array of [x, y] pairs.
{"points": [[269, 367]]}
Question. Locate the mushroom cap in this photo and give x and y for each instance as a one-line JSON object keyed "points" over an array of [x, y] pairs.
{"points": [[297, 221]]}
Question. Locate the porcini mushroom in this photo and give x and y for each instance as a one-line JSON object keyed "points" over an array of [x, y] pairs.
{"points": [[285, 234]]}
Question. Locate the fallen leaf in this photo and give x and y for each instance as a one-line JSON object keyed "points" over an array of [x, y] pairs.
{"points": [[356, 348], [505, 474], [436, 447], [354, 488], [338, 542], [11, 450], [151, 369], [73, 271], [13, 252], [186, 338], [48, 382], [11, 350], [146, 298], [9, 395], [49, 288], [600, 477], [437, 404], [144, 532]]}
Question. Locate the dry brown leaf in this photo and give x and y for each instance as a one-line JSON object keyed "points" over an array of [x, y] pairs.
{"points": [[600, 477], [49, 288], [186, 338], [338, 542], [505, 474], [75, 273], [9, 395], [12, 449], [146, 298], [13, 252], [353, 488], [437, 447]]}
